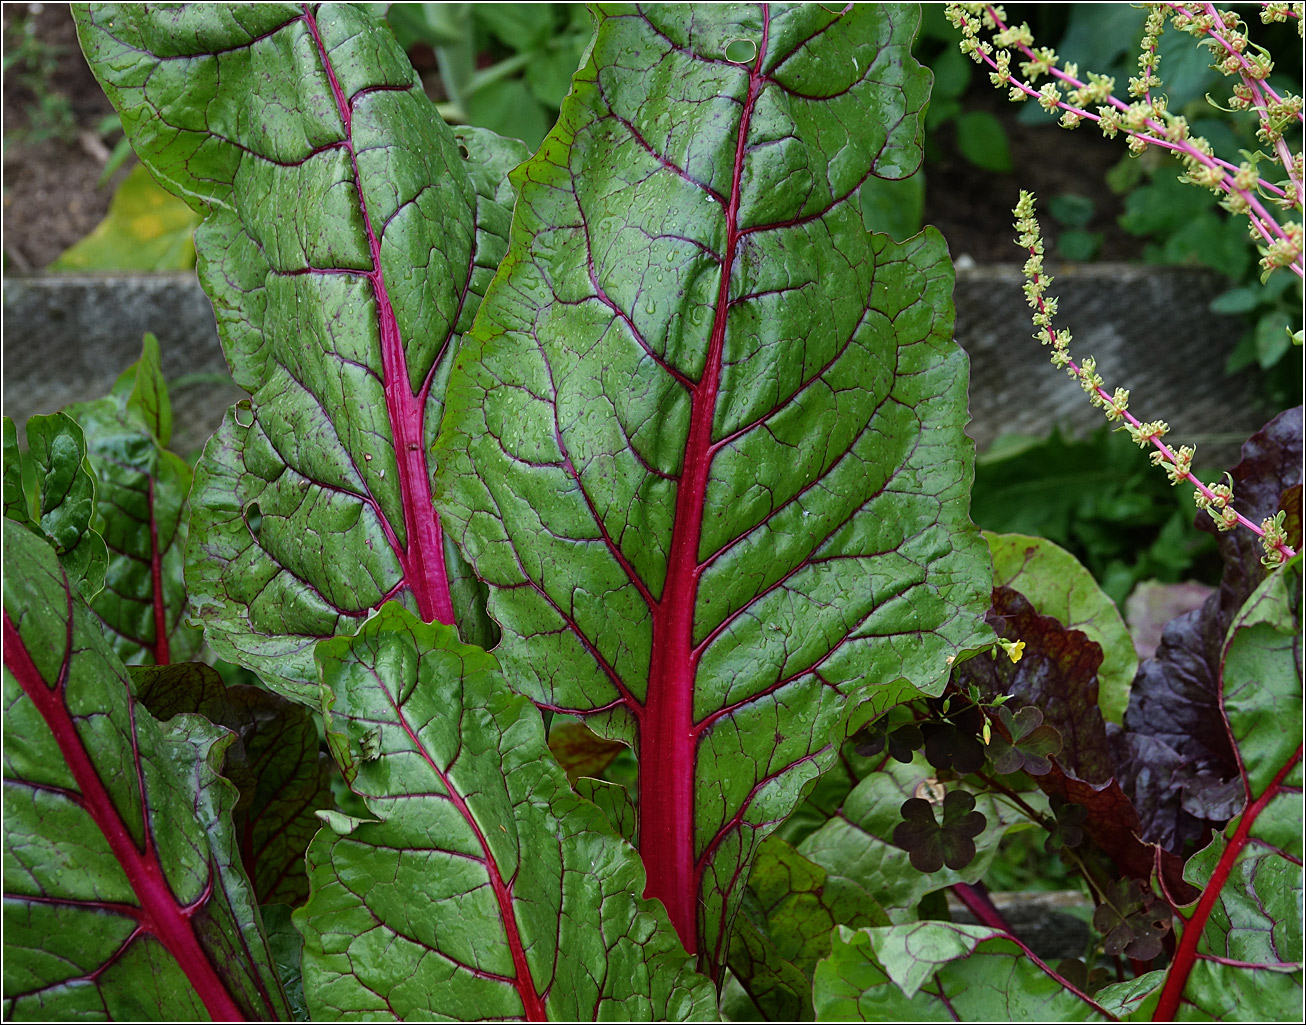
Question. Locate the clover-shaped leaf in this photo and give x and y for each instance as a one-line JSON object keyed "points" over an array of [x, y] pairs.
{"points": [[1068, 831], [1131, 921], [902, 742], [955, 744], [1076, 972], [929, 845], [1032, 742]]}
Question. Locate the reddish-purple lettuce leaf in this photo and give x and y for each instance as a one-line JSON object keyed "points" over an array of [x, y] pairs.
{"points": [[483, 887], [1173, 755], [143, 515], [277, 763], [704, 441], [124, 895], [346, 245]]}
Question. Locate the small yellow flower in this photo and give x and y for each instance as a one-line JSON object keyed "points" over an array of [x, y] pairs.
{"points": [[1014, 649]]}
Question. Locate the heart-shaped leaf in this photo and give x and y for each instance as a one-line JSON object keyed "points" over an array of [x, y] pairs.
{"points": [[932, 845], [124, 895], [345, 247], [1031, 742], [720, 501], [483, 887]]}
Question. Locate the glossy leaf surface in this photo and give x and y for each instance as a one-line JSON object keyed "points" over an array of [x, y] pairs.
{"points": [[50, 489], [937, 971], [124, 896], [485, 888], [277, 763], [345, 248], [704, 441], [143, 513]]}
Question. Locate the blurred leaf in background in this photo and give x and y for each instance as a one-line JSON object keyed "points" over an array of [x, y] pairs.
{"points": [[146, 229]]}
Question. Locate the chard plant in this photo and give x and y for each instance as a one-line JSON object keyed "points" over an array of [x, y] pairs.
{"points": [[605, 633]]}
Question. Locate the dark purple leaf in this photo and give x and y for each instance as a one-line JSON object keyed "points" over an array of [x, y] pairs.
{"points": [[932, 845]]}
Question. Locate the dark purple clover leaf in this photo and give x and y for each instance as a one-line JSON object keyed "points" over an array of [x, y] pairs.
{"points": [[277, 763], [902, 742], [1132, 921], [938, 971], [346, 245], [704, 441], [50, 490], [1239, 953], [954, 744], [1029, 744], [931, 845], [1173, 755], [124, 893], [789, 912], [143, 515], [1068, 825], [483, 887]]}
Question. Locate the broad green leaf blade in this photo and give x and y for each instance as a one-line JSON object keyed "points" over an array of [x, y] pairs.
{"points": [[1057, 585], [283, 776], [788, 917], [124, 896], [857, 845], [1240, 951], [346, 245], [705, 442], [486, 888], [144, 516], [937, 971], [50, 489]]}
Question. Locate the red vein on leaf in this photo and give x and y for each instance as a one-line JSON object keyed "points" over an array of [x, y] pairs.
{"points": [[524, 982], [667, 743], [1186, 953], [423, 557], [161, 914]]}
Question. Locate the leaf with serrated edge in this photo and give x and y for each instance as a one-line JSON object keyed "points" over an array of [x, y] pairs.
{"points": [[144, 513], [487, 889], [124, 896], [704, 441], [937, 971], [345, 248]]}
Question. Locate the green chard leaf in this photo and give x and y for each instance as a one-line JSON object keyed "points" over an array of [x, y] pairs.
{"points": [[937, 971], [1239, 955], [484, 888], [143, 513], [277, 763], [50, 489], [124, 895], [345, 247], [704, 441]]}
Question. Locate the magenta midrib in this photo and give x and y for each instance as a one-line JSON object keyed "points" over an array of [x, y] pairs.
{"points": [[161, 914], [668, 744], [422, 559], [524, 982], [1186, 953]]}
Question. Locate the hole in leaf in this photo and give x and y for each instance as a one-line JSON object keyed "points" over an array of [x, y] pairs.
{"points": [[253, 519], [741, 51], [244, 413], [467, 154]]}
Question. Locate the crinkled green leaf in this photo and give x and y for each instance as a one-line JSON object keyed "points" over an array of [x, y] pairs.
{"points": [[346, 245], [487, 888], [858, 845], [1239, 955], [704, 441], [124, 895], [789, 912], [277, 763], [50, 489], [937, 971], [143, 515], [614, 801], [1057, 585]]}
